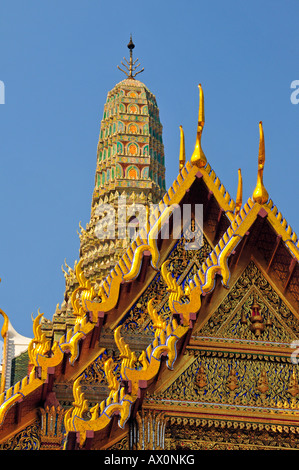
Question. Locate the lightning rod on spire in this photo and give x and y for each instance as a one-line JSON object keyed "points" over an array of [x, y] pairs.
{"points": [[130, 66]]}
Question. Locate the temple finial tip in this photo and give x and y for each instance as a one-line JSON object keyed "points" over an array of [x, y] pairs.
{"points": [[130, 66], [182, 157], [239, 197], [198, 157], [260, 194]]}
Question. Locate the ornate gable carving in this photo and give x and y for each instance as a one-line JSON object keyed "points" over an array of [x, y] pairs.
{"points": [[233, 371], [233, 317], [233, 379]]}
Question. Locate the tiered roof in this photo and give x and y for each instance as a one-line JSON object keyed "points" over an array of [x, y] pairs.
{"points": [[234, 225]]}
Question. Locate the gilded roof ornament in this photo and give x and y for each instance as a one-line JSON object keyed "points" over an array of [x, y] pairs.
{"points": [[182, 157], [198, 157], [4, 331], [260, 193], [39, 345], [159, 324], [130, 66], [239, 193]]}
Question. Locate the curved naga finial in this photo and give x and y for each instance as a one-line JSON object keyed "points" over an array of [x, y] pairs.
{"points": [[239, 193], [4, 331], [260, 194], [39, 345], [159, 324], [182, 157], [198, 157], [5, 324], [192, 291], [128, 357]]}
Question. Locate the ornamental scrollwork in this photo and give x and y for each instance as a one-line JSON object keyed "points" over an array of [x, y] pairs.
{"points": [[232, 318], [205, 434], [27, 439], [39, 345], [235, 379]]}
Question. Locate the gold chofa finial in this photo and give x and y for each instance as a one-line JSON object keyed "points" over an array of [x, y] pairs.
{"points": [[182, 158], [130, 66], [198, 157], [260, 193], [239, 196]]}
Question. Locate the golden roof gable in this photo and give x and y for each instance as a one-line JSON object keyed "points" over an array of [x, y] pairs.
{"points": [[88, 308]]}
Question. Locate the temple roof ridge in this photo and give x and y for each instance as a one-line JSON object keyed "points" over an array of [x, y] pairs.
{"points": [[201, 283], [283, 228], [87, 306]]}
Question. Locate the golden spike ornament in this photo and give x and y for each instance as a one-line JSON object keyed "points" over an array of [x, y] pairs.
{"points": [[128, 357], [39, 345], [84, 292], [5, 324], [260, 194], [198, 157], [182, 157], [159, 324], [109, 367], [175, 291], [192, 292], [79, 406], [5, 339], [239, 196]]}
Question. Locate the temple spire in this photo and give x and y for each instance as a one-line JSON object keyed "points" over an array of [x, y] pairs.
{"points": [[130, 66]]}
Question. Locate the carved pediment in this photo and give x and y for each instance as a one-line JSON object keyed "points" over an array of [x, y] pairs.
{"points": [[233, 318], [229, 364]]}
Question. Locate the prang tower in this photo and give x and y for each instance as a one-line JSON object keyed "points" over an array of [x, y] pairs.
{"points": [[130, 170]]}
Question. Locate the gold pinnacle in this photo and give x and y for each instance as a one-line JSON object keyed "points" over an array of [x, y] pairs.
{"points": [[260, 194], [182, 157], [239, 196], [198, 157]]}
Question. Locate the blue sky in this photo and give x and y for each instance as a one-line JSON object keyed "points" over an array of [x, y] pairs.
{"points": [[58, 61]]}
